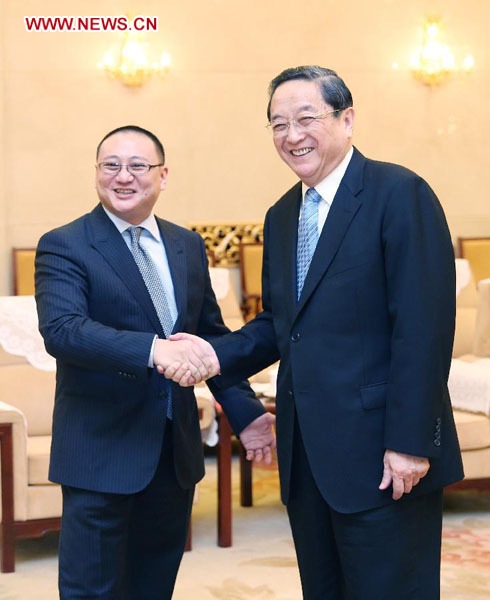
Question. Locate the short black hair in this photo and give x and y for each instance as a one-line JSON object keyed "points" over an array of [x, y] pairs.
{"points": [[333, 89], [135, 129]]}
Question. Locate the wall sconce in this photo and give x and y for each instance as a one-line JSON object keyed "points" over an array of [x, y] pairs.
{"points": [[434, 61], [130, 62]]}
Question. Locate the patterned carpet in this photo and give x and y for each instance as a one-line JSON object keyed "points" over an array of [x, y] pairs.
{"points": [[466, 546], [261, 564]]}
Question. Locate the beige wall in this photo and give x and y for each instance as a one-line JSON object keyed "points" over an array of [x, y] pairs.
{"points": [[210, 112], [4, 241]]}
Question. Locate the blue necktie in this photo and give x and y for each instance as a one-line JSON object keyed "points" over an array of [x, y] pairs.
{"points": [[307, 236], [155, 288]]}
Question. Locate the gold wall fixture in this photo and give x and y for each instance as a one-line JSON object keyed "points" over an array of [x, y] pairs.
{"points": [[130, 62], [433, 61], [222, 240]]}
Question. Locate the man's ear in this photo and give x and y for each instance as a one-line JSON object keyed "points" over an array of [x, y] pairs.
{"points": [[163, 178], [348, 119]]}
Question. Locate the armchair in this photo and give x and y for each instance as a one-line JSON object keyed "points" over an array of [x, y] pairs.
{"points": [[469, 387], [30, 505]]}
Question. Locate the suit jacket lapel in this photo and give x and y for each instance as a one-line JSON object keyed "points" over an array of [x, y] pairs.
{"points": [[109, 242], [177, 262], [288, 226], [342, 211]]}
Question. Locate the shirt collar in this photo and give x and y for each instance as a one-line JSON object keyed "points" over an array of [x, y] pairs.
{"points": [[327, 188], [149, 224]]}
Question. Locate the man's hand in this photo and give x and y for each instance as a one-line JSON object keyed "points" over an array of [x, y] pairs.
{"points": [[259, 438], [188, 359], [404, 471]]}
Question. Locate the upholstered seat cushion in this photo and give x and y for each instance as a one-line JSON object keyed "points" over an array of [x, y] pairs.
{"points": [[38, 448], [473, 430], [32, 392]]}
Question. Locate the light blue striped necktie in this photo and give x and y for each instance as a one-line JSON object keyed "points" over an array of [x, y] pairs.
{"points": [[155, 288], [307, 236]]}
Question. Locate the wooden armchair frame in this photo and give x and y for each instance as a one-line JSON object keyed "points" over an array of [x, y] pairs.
{"points": [[11, 530], [23, 271], [251, 254]]}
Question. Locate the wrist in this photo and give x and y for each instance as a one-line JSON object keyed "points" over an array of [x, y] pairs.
{"points": [[159, 351]]}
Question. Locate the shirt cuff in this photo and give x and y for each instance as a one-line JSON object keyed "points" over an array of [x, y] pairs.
{"points": [[150, 360]]}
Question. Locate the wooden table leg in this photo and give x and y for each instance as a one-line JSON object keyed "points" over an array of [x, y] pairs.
{"points": [[245, 479], [224, 481]]}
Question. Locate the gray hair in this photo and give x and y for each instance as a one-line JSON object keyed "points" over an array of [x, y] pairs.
{"points": [[332, 87]]}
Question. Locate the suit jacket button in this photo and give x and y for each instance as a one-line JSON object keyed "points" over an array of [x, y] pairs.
{"points": [[290, 392], [437, 442], [295, 337], [163, 394]]}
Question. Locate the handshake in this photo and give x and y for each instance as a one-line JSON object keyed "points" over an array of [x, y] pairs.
{"points": [[185, 359]]}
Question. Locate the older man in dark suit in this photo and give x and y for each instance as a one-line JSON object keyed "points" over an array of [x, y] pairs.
{"points": [[359, 302], [110, 287]]}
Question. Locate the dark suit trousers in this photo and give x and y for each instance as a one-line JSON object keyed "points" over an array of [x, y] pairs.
{"points": [[125, 546], [379, 554]]}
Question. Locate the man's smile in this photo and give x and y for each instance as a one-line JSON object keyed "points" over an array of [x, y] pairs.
{"points": [[124, 191], [301, 151]]}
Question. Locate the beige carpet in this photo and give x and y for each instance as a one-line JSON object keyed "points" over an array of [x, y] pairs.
{"points": [[261, 564]]}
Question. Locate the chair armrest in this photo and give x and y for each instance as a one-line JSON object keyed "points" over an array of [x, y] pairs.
{"points": [[12, 418], [481, 343], [11, 414]]}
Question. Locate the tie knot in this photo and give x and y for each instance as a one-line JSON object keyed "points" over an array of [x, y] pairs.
{"points": [[312, 195], [135, 233]]}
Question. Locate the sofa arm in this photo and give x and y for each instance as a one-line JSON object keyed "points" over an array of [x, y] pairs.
{"points": [[481, 344], [12, 420]]}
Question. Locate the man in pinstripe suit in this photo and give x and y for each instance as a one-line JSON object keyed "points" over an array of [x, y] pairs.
{"points": [[126, 442]]}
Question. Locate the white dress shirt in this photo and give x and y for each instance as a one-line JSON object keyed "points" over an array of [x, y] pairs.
{"points": [[151, 241], [327, 188]]}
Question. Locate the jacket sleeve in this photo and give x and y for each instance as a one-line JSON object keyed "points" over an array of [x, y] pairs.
{"points": [[420, 274], [70, 335]]}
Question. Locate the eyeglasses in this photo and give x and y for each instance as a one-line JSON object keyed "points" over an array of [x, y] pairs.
{"points": [[281, 127], [134, 168]]}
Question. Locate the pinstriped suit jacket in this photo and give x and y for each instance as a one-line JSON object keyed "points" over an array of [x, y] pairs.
{"points": [[97, 319]]}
